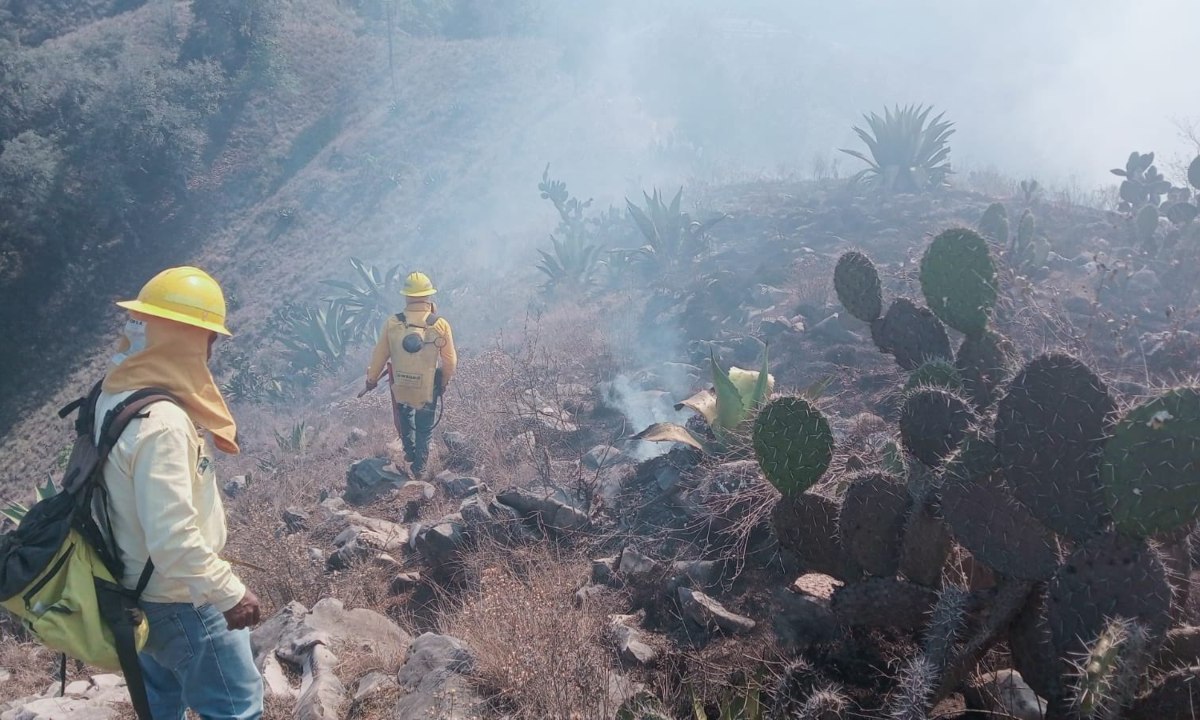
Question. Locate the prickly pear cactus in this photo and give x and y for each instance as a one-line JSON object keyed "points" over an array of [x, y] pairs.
{"points": [[1108, 576], [933, 422], [946, 623], [1033, 653], [1151, 467], [994, 223], [807, 525], [958, 279], [883, 602], [858, 288], [911, 334], [872, 520], [1050, 430], [1194, 173], [984, 362], [895, 460], [1107, 678], [1026, 229], [935, 373], [1146, 223], [926, 544], [986, 520], [794, 444]]}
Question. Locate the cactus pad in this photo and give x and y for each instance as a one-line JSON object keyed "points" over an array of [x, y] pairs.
{"points": [[1194, 173], [858, 288], [986, 520], [994, 223], [1151, 468], [926, 546], [1032, 652], [794, 444], [1050, 430], [871, 521], [935, 373], [1108, 576], [933, 422], [958, 279], [912, 334], [984, 361], [807, 525], [883, 602], [1146, 223], [1026, 227]]}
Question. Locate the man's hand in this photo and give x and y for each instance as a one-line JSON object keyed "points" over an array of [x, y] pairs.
{"points": [[371, 384], [245, 614]]}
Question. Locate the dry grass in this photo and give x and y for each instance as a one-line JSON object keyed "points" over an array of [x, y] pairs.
{"points": [[537, 656], [32, 665]]}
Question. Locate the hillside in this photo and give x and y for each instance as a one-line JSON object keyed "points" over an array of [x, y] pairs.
{"points": [[298, 174]]}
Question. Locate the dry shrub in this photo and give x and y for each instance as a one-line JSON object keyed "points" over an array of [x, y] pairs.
{"points": [[33, 667], [536, 653]]}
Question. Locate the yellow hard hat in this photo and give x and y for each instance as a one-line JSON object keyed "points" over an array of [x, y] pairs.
{"points": [[418, 284], [183, 294]]}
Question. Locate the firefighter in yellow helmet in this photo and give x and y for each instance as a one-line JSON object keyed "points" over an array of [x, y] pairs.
{"points": [[164, 509], [415, 341]]}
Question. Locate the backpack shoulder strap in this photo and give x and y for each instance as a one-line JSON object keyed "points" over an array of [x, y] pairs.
{"points": [[118, 418]]}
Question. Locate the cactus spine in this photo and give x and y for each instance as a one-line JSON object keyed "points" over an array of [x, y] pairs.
{"points": [[1107, 678]]}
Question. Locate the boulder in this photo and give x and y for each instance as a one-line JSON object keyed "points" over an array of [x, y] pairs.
{"points": [[411, 497], [369, 479], [457, 486], [801, 621], [355, 436], [603, 456], [439, 544], [295, 520], [460, 451], [358, 629], [433, 680], [631, 646], [1005, 693], [308, 640], [546, 510], [403, 582], [710, 614], [236, 485]]}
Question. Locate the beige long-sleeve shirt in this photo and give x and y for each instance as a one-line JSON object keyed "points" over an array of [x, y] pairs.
{"points": [[164, 504]]}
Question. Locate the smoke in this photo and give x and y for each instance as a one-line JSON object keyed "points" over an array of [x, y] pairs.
{"points": [[1058, 91]]}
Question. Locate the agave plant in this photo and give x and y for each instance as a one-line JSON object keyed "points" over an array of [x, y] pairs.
{"points": [[908, 154], [317, 336], [671, 235], [572, 262], [368, 301], [297, 439], [16, 511], [724, 406]]}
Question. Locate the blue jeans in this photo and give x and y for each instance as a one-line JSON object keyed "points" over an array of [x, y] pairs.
{"points": [[192, 659]]}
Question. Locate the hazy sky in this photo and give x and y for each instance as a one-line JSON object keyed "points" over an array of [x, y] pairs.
{"points": [[1037, 88]]}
